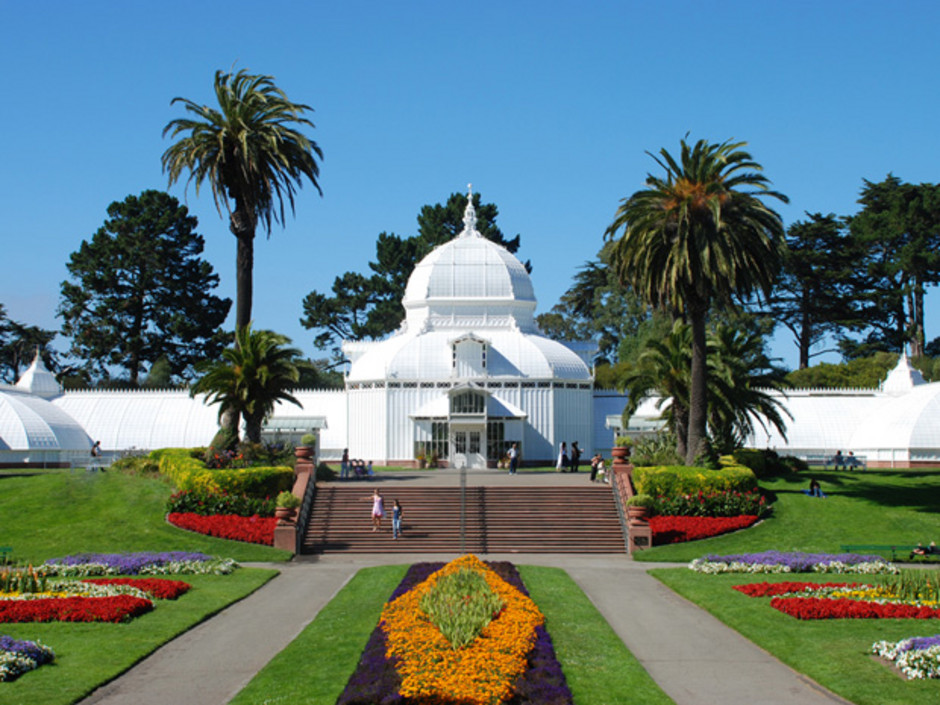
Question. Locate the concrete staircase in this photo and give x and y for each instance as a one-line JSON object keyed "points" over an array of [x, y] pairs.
{"points": [[498, 520]]}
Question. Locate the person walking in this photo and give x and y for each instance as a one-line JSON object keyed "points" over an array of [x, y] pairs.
{"points": [[378, 509], [562, 464], [575, 456], [396, 519], [513, 458], [344, 465], [597, 462]]}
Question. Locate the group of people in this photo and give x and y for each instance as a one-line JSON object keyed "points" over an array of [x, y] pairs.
{"points": [[568, 463], [845, 462], [378, 511], [358, 469]]}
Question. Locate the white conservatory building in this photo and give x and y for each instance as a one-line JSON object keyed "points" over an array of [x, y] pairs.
{"points": [[467, 374]]}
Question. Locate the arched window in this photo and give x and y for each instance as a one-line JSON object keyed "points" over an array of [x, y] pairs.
{"points": [[467, 403]]}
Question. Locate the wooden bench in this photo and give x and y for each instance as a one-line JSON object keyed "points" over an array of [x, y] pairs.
{"points": [[880, 548]]}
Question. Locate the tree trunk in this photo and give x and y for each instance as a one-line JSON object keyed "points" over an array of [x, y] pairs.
{"points": [[806, 331], [698, 391], [680, 416], [242, 226]]}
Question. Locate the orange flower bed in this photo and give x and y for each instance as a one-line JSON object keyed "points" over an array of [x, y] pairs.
{"points": [[481, 673]]}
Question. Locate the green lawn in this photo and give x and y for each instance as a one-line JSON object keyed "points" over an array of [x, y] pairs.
{"points": [[89, 655], [870, 507], [54, 514], [833, 652], [599, 668]]}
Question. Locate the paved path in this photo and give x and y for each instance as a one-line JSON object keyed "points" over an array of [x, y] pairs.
{"points": [[696, 659]]}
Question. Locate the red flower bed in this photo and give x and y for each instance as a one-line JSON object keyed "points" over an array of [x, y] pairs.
{"points": [[676, 529], [820, 608], [767, 589], [74, 609], [155, 587], [253, 529]]}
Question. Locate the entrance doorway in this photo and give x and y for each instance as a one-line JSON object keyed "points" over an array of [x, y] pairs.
{"points": [[468, 448]]}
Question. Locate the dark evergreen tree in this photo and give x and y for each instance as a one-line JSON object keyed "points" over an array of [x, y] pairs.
{"points": [[816, 296], [18, 345], [139, 291], [899, 230]]}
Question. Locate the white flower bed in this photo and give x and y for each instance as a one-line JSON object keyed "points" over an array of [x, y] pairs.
{"points": [[917, 657]]}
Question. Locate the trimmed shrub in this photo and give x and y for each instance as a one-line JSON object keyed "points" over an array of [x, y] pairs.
{"points": [[188, 473], [764, 463], [673, 480]]}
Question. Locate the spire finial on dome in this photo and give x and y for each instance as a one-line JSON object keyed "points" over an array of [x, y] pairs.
{"points": [[470, 215]]}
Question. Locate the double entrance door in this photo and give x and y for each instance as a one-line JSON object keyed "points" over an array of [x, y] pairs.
{"points": [[469, 447]]}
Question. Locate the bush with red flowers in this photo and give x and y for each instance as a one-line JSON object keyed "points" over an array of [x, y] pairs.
{"points": [[769, 589], [121, 608], [676, 529], [157, 588], [253, 529], [822, 608]]}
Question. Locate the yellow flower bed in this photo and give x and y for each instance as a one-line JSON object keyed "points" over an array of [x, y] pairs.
{"points": [[481, 673]]}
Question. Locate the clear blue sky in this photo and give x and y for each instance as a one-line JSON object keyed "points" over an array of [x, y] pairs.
{"points": [[548, 108]]}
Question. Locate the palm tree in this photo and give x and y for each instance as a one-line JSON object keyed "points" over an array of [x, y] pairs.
{"points": [[699, 235], [740, 380], [253, 375], [662, 369], [252, 154]]}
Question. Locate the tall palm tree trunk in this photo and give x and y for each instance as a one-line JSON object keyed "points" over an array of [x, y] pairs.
{"points": [[698, 387], [242, 226]]}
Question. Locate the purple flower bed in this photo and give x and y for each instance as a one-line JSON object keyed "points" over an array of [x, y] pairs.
{"points": [[797, 561], [144, 562], [375, 680], [920, 643], [18, 657]]}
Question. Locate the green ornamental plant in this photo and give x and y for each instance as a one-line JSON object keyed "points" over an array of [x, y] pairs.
{"points": [[461, 605], [288, 500], [641, 500], [308, 439], [623, 442]]}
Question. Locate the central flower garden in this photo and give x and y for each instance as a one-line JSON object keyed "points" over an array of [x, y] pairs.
{"points": [[413, 656]]}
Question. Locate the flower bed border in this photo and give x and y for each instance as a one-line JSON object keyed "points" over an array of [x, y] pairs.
{"points": [[253, 529], [375, 678]]}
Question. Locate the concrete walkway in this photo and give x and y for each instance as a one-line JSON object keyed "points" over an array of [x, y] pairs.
{"points": [[693, 657]]}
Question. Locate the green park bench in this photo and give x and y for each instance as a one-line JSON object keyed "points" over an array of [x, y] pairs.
{"points": [[5, 552]]}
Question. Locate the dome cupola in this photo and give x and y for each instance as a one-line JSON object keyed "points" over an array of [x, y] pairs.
{"points": [[469, 281]]}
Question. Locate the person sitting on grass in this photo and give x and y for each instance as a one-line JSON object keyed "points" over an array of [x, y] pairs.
{"points": [[814, 489]]}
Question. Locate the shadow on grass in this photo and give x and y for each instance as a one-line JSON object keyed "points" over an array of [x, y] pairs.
{"points": [[917, 490]]}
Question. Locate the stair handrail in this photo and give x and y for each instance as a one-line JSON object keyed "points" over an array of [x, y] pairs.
{"points": [[306, 509]]}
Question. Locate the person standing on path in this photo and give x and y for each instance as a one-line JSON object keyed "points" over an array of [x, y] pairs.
{"points": [[575, 456], [396, 519], [562, 464], [344, 465], [513, 459]]}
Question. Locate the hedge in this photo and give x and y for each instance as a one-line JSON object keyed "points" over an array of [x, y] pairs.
{"points": [[189, 473], [672, 480]]}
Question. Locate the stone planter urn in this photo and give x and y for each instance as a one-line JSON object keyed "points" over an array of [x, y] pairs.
{"points": [[303, 452], [285, 513], [620, 453], [638, 515]]}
